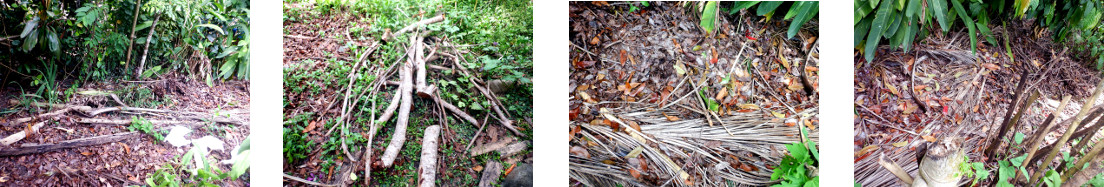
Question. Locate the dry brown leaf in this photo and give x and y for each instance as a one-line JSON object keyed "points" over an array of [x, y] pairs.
{"points": [[866, 149], [785, 63], [126, 148], [634, 125], [892, 89], [634, 173], [311, 126], [808, 124], [623, 58], [477, 168], [580, 152], [508, 170], [671, 118], [594, 41], [990, 66], [584, 63], [575, 131], [811, 68], [86, 153], [929, 138], [749, 106], [721, 94]]}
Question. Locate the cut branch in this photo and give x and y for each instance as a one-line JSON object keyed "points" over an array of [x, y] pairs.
{"points": [[1039, 135], [399, 136], [408, 28], [428, 165], [1072, 127], [42, 148], [995, 142]]}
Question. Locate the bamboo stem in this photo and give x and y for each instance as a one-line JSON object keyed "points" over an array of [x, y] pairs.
{"points": [[1072, 127]]}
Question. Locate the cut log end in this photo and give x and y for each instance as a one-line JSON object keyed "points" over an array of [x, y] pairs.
{"points": [[428, 165]]}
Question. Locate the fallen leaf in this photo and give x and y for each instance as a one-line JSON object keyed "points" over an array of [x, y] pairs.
{"points": [[809, 124], [785, 63], [670, 118], [575, 131], [584, 63], [866, 149], [572, 114], [721, 94], [634, 173], [580, 152], [749, 106], [892, 89], [594, 41], [990, 66], [477, 168], [634, 125], [900, 144], [311, 126], [623, 57], [929, 138], [679, 69], [126, 148], [811, 68], [778, 115], [86, 153], [508, 170]]}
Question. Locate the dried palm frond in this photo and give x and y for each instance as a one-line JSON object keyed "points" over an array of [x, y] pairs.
{"points": [[682, 152]]}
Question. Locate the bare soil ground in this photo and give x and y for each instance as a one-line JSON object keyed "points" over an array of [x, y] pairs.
{"points": [[126, 162], [941, 89], [654, 68]]}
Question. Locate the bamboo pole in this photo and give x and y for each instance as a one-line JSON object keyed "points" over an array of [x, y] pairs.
{"points": [[1039, 135], [1072, 127]]}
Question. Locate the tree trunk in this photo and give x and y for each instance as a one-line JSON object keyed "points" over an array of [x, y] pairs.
{"points": [[149, 37], [428, 166], [130, 46]]}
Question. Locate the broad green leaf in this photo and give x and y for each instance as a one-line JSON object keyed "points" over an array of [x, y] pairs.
{"points": [[910, 36], [939, 8], [874, 3], [30, 41], [876, 28], [793, 10], [814, 182], [476, 106], [30, 26], [767, 7], [862, 29], [740, 5], [213, 27], [913, 8], [808, 11], [1019, 137], [144, 25], [53, 38], [894, 25], [709, 16], [969, 24], [861, 11]]}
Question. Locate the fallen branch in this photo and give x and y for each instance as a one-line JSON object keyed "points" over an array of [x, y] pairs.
{"points": [[996, 141], [149, 37], [21, 134], [428, 164], [490, 174], [305, 181], [41, 148], [435, 19], [486, 148], [399, 136]]}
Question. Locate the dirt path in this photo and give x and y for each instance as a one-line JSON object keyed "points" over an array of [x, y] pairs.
{"points": [[130, 161]]}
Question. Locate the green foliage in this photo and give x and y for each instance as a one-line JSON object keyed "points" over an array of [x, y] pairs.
{"points": [[1097, 181], [142, 125], [296, 144], [900, 23], [799, 12], [1052, 179], [792, 169], [204, 172]]}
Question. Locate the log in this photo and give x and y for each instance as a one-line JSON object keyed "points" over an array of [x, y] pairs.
{"points": [[428, 164], [399, 136], [490, 174], [995, 142], [149, 37], [1039, 135], [90, 141], [435, 19], [486, 148], [1069, 132]]}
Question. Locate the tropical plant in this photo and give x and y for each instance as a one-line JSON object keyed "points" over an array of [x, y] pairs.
{"points": [[799, 12]]}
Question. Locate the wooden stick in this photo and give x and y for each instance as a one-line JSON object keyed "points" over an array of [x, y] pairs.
{"points": [[1039, 135], [399, 136], [149, 37], [1015, 119], [995, 142], [435, 19], [1095, 114], [21, 134], [41, 148], [305, 181], [1072, 127], [428, 164], [490, 174]]}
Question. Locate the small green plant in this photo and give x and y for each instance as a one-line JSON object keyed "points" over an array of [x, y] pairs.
{"points": [[792, 169], [144, 126], [1097, 181], [974, 170], [296, 144]]}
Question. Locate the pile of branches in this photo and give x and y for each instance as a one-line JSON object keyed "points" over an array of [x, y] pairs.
{"points": [[83, 114], [412, 71]]}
